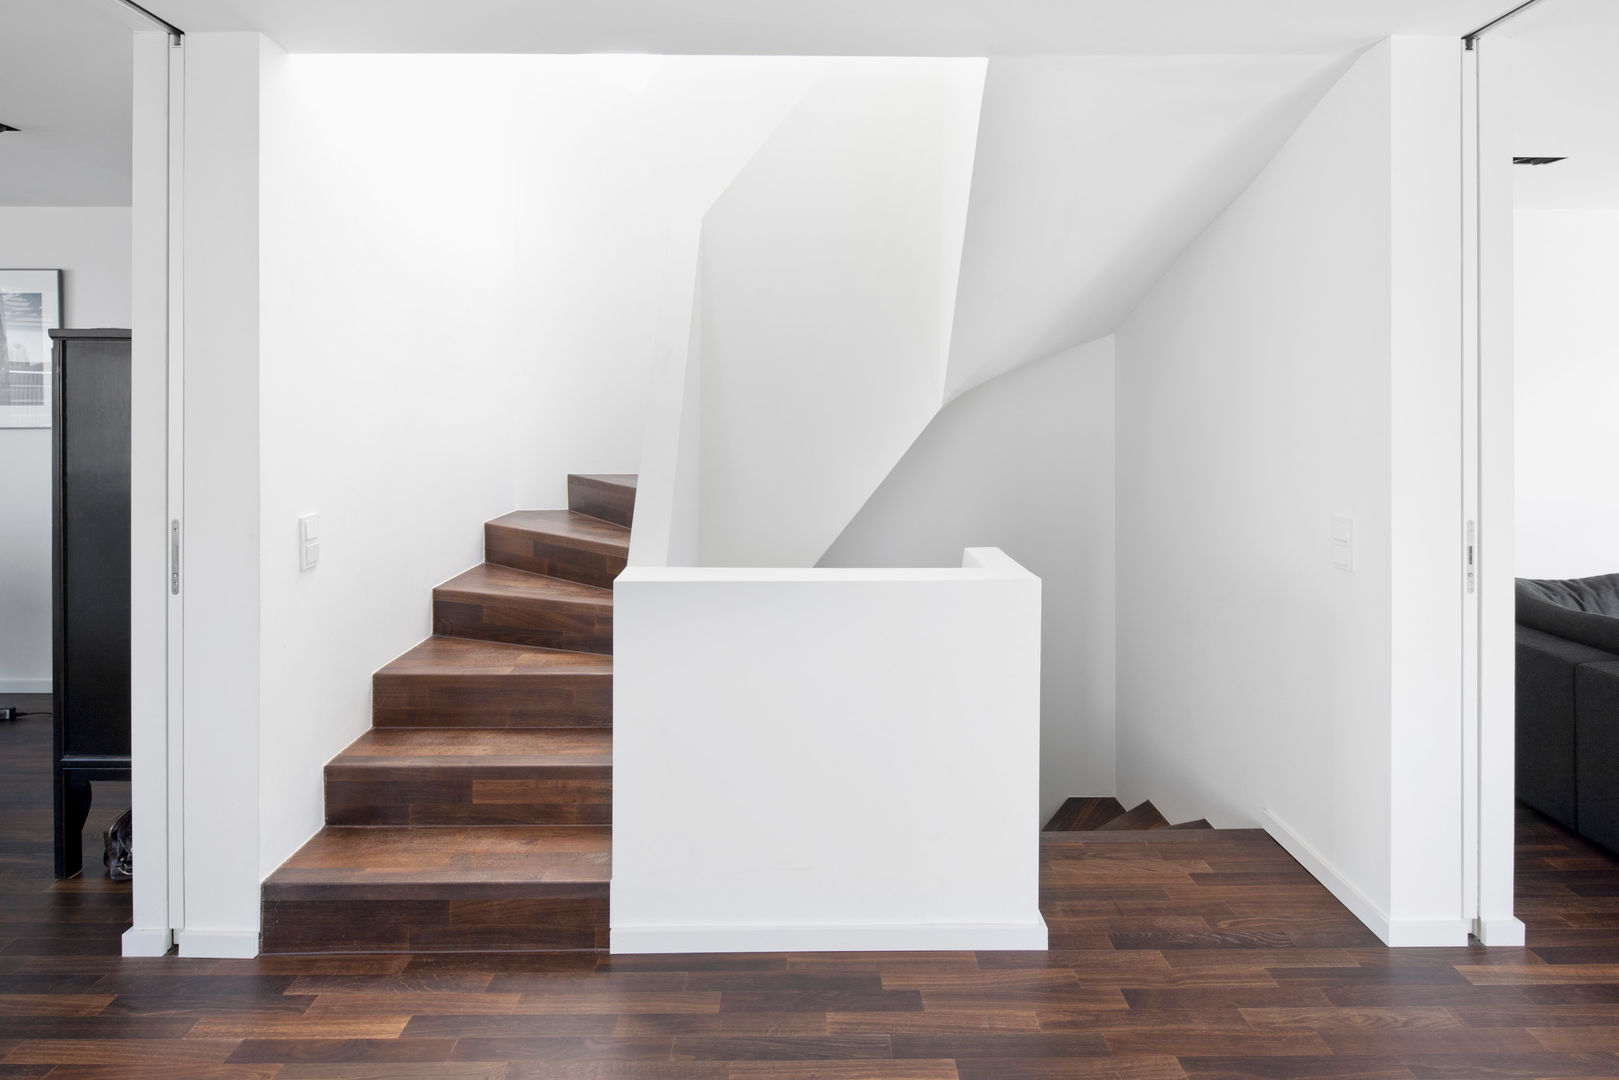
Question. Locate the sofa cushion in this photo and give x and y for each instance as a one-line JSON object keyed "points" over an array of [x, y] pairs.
{"points": [[1585, 610]]}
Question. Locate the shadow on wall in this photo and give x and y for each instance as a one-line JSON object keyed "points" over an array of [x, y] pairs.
{"points": [[1025, 463]]}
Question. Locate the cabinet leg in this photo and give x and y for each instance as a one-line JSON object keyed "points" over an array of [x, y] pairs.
{"points": [[72, 810]]}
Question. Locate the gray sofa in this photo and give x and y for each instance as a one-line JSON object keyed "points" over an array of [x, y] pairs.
{"points": [[1568, 703]]}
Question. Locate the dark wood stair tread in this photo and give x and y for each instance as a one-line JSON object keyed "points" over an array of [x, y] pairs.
{"points": [[445, 861], [1077, 815], [577, 530], [1144, 816], [491, 581], [608, 496], [451, 657], [1200, 823], [532, 751]]}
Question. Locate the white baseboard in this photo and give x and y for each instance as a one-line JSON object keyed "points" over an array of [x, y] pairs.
{"points": [[219, 944], [1508, 931], [1395, 933], [139, 942], [25, 686], [948, 937]]}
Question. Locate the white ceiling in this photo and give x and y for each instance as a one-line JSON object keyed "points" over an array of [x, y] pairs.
{"points": [[833, 27], [65, 79], [1565, 84]]}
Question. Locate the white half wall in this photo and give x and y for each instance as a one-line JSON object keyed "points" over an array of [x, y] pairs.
{"points": [[1024, 462], [828, 281], [1300, 362], [826, 759], [1566, 268], [90, 245]]}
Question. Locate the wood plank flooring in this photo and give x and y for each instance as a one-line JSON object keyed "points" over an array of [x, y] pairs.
{"points": [[1206, 954]]}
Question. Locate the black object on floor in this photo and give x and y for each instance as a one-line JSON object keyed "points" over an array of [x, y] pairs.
{"points": [[120, 855]]}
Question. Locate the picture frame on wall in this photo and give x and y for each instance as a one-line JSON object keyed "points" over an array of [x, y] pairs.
{"points": [[30, 308]]}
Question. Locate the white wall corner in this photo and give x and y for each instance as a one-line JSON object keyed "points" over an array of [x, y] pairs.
{"points": [[218, 944], [1395, 933], [141, 941], [1348, 893]]}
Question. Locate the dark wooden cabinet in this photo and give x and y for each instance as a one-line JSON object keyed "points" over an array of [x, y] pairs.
{"points": [[90, 573]]}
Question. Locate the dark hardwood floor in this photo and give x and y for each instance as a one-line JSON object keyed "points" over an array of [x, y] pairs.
{"points": [[1174, 954]]}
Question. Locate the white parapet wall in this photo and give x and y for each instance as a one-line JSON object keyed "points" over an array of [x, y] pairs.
{"points": [[827, 759]]}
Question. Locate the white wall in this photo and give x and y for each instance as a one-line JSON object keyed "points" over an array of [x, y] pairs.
{"points": [[1298, 362], [465, 260], [1567, 379], [826, 759], [829, 275], [90, 245], [220, 541], [1024, 462]]}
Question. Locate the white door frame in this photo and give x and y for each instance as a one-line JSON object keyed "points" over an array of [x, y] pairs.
{"points": [[156, 460], [1488, 616]]}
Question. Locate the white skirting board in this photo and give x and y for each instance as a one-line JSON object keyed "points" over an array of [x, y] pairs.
{"points": [[946, 937], [1395, 933], [143, 942], [1508, 931], [219, 944]]}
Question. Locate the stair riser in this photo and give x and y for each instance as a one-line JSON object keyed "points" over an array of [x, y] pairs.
{"points": [[548, 625], [450, 795], [609, 502], [342, 923], [520, 549], [492, 701]]}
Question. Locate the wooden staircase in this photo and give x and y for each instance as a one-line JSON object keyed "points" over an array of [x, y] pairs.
{"points": [[476, 813], [1109, 815]]}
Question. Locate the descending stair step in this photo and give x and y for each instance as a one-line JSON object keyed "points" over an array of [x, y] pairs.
{"points": [[457, 776], [441, 890], [609, 496], [463, 682], [1200, 823], [499, 603], [560, 543], [1077, 815], [1145, 816]]}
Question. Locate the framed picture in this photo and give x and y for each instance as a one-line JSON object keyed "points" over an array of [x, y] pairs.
{"points": [[30, 307]]}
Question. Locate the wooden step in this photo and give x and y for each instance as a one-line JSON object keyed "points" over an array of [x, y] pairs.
{"points": [[1077, 815], [499, 603], [1145, 816], [559, 543], [1200, 823], [517, 888], [459, 776], [463, 682], [609, 496]]}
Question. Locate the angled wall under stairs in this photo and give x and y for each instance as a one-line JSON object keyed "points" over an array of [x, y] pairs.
{"points": [[476, 813]]}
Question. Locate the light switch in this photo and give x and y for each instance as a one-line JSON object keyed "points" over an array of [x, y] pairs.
{"points": [[308, 541], [1343, 542]]}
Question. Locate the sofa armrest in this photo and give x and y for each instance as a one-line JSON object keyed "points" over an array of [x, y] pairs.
{"points": [[1547, 664], [1596, 751]]}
